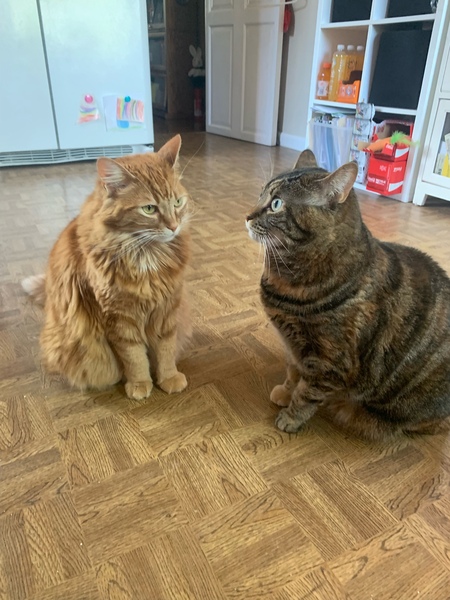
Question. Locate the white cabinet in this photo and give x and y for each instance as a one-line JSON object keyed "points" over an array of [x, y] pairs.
{"points": [[368, 33], [26, 116], [75, 80], [434, 173], [94, 62]]}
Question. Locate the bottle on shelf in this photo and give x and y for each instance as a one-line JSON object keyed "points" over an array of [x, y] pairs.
{"points": [[323, 81], [359, 57], [337, 71], [350, 62]]}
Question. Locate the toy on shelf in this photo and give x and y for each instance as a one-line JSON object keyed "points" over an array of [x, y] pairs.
{"points": [[397, 138]]}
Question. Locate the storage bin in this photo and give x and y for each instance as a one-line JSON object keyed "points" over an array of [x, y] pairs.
{"points": [[406, 8], [350, 10], [330, 144], [399, 68]]}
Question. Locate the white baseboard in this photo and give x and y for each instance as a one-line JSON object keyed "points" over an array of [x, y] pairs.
{"points": [[295, 142]]}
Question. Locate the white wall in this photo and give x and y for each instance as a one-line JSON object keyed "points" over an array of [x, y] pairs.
{"points": [[298, 49]]}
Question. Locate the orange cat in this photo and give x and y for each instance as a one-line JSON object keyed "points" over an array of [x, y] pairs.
{"points": [[113, 289]]}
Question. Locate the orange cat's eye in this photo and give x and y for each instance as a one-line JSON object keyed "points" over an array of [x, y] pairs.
{"points": [[150, 209], [179, 202]]}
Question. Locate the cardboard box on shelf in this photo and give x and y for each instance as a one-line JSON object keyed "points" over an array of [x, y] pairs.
{"points": [[348, 92]]}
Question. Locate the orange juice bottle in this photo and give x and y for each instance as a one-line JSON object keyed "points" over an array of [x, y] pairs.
{"points": [[337, 71], [323, 81], [359, 57], [350, 62]]}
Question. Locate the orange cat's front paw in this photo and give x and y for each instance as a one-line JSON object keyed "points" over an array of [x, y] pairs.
{"points": [[280, 395], [177, 383], [138, 390]]}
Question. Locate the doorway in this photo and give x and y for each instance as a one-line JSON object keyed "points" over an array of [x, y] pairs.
{"points": [[176, 30]]}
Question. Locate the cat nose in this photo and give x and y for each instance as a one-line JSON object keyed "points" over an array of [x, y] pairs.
{"points": [[172, 226]]}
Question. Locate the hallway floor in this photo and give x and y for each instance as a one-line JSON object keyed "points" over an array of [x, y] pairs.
{"points": [[198, 496]]}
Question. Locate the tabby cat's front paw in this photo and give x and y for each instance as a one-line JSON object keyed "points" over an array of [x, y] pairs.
{"points": [[280, 395], [138, 390], [286, 423], [177, 383]]}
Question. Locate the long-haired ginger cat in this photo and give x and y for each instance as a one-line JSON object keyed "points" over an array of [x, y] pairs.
{"points": [[113, 289], [366, 324]]}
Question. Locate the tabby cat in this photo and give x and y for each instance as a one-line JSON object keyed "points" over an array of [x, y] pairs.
{"points": [[366, 324], [113, 289]]}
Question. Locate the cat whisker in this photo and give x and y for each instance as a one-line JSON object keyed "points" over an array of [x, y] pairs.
{"points": [[272, 249], [280, 242], [262, 171], [272, 166], [134, 245], [193, 156], [275, 249]]}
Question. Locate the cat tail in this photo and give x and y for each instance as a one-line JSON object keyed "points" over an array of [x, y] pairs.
{"points": [[34, 286]]}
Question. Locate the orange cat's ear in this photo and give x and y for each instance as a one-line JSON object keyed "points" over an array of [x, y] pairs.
{"points": [[113, 176], [170, 151], [338, 185]]}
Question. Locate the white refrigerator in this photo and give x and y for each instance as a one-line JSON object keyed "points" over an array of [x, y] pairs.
{"points": [[75, 80]]}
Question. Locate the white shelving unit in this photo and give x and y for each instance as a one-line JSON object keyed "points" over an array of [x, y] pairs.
{"points": [[367, 33], [430, 181]]}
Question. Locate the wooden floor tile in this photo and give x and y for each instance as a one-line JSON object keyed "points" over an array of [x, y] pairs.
{"points": [[23, 419], [404, 479], [69, 408], [432, 526], [97, 451], [318, 584], [173, 567], [247, 396], [31, 473], [124, 511], [212, 363], [211, 475], [83, 587], [170, 423], [255, 546], [335, 510], [42, 546], [279, 456], [392, 565]]}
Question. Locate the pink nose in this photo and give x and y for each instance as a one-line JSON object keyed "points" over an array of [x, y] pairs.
{"points": [[172, 226]]}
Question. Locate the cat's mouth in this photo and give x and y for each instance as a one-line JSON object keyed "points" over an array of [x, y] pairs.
{"points": [[168, 235], [253, 234]]}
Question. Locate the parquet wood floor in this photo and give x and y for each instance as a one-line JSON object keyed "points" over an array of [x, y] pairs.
{"points": [[198, 496]]}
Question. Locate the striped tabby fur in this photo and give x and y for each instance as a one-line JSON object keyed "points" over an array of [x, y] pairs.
{"points": [[366, 324]]}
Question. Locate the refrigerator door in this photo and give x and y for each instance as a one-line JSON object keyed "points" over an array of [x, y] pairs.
{"points": [[96, 50], [26, 117]]}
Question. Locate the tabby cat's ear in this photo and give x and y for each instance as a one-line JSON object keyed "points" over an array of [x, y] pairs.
{"points": [[306, 160], [113, 176], [337, 186], [170, 151]]}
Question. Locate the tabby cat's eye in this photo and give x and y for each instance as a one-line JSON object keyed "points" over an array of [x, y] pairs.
{"points": [[276, 204], [150, 209], [179, 202]]}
